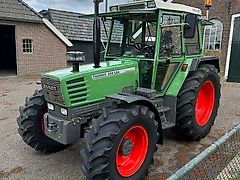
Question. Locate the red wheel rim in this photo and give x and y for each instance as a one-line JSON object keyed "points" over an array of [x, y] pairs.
{"points": [[205, 103], [127, 165]]}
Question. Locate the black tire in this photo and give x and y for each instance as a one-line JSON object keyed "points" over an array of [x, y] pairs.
{"points": [[187, 125], [30, 124], [105, 136]]}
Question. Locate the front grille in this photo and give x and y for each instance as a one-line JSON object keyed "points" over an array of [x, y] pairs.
{"points": [[132, 7], [87, 110], [52, 90], [77, 90]]}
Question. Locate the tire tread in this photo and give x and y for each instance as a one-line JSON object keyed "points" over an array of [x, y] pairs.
{"points": [[95, 161], [27, 122], [185, 127]]}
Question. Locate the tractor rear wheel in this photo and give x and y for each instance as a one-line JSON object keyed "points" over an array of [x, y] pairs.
{"points": [[120, 144], [31, 124], [198, 103]]}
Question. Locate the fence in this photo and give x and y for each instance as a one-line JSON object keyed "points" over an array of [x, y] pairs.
{"points": [[219, 161]]}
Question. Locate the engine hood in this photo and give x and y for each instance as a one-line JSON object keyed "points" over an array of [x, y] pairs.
{"points": [[71, 89], [86, 69]]}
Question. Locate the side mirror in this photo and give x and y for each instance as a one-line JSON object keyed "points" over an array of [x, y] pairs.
{"points": [[190, 27]]}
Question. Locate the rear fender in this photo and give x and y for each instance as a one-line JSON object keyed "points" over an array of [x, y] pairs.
{"points": [[205, 60], [181, 75]]}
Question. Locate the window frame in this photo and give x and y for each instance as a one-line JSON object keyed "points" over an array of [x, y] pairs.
{"points": [[210, 27], [27, 46], [107, 56], [163, 58], [199, 40]]}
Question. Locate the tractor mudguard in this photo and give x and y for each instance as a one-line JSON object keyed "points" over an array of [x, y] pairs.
{"points": [[140, 100], [205, 60]]}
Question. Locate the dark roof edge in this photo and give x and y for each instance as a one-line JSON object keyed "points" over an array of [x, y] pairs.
{"points": [[50, 16], [30, 8], [70, 12]]}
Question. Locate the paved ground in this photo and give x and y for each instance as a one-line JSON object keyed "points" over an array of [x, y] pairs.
{"points": [[18, 161]]}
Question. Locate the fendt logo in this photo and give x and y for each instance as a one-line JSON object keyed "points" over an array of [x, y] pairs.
{"points": [[49, 87]]}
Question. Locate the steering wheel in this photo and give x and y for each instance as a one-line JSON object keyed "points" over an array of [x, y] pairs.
{"points": [[147, 49], [138, 46]]}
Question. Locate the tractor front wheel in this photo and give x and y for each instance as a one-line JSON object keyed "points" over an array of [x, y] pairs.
{"points": [[198, 103], [120, 144], [31, 124]]}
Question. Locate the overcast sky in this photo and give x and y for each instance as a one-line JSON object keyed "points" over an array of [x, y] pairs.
{"points": [[81, 6]]}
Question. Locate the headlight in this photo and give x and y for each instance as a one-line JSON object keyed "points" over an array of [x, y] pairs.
{"points": [[50, 106], [64, 111]]}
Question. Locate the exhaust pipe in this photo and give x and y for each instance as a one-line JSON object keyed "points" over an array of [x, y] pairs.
{"points": [[96, 34]]}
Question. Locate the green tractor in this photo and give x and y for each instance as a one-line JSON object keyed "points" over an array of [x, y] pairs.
{"points": [[154, 77]]}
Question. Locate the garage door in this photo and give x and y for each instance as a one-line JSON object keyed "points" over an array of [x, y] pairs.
{"points": [[8, 64], [234, 66]]}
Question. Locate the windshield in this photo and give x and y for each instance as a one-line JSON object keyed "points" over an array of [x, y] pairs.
{"points": [[132, 38]]}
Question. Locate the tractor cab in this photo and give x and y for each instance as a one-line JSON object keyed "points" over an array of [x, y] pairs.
{"points": [[159, 35]]}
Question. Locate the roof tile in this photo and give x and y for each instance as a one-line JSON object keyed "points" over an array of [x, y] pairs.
{"points": [[18, 10], [73, 26]]}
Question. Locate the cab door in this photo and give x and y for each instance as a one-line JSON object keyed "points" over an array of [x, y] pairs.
{"points": [[170, 55]]}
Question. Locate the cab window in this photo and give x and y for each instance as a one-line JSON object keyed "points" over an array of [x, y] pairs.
{"points": [[133, 36], [192, 44], [171, 36]]}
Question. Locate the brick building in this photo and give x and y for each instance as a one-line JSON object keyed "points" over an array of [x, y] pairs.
{"points": [[222, 38], [29, 44], [78, 30]]}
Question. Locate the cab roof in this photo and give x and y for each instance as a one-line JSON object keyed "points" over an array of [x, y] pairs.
{"points": [[154, 5], [177, 7], [141, 7]]}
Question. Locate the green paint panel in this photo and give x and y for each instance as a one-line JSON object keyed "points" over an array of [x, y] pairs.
{"points": [[179, 79], [234, 72], [91, 85]]}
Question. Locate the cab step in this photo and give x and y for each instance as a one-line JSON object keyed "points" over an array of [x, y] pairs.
{"points": [[163, 109], [167, 125]]}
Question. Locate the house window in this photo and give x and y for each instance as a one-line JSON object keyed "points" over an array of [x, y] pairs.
{"points": [[213, 35], [27, 46]]}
